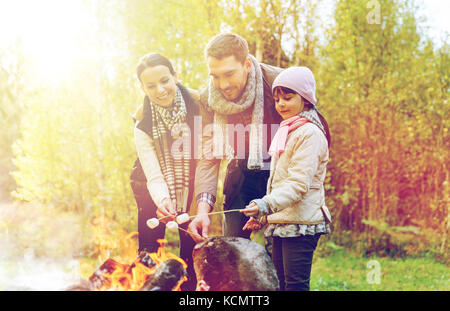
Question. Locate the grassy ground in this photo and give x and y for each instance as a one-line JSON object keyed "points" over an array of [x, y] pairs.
{"points": [[342, 270], [339, 269]]}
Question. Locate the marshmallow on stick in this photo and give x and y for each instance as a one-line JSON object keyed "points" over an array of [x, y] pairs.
{"points": [[182, 218], [152, 223], [172, 225]]}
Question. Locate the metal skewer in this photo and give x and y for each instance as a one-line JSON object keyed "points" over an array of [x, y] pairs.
{"points": [[189, 217], [211, 213]]}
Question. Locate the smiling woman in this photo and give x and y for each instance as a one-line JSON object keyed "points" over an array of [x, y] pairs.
{"points": [[49, 30]]}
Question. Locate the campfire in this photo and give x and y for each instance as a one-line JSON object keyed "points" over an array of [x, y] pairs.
{"points": [[220, 264], [160, 271]]}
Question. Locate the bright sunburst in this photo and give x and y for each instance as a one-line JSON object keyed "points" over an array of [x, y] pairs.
{"points": [[49, 30]]}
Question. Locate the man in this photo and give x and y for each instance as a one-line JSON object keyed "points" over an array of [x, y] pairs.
{"points": [[239, 94]]}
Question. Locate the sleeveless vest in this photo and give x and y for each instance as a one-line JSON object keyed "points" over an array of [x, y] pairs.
{"points": [[137, 177]]}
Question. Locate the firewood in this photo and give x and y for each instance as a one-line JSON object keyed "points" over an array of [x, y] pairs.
{"points": [[143, 258], [98, 279], [167, 276]]}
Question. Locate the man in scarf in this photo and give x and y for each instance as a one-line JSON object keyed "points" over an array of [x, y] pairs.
{"points": [[238, 102]]}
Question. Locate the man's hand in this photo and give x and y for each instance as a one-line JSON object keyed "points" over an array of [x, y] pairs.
{"points": [[199, 227], [166, 210]]}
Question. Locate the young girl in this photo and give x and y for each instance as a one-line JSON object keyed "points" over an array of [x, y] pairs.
{"points": [[163, 182], [294, 206]]}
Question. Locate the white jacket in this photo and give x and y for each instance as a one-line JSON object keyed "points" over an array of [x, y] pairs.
{"points": [[295, 191], [156, 184]]}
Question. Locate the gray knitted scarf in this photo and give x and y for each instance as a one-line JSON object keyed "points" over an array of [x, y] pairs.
{"points": [[253, 95], [313, 117]]}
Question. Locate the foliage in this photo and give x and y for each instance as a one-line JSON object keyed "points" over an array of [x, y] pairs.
{"points": [[389, 155], [177, 29], [12, 93]]}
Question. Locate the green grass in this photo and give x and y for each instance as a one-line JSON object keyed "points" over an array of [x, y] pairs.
{"points": [[342, 270]]}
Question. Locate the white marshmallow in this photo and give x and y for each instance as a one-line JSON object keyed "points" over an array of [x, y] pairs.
{"points": [[172, 225], [181, 219], [152, 223]]}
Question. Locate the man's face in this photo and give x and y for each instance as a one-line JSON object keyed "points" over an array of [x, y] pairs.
{"points": [[229, 75]]}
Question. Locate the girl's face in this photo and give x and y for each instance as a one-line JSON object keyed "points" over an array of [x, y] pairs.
{"points": [[288, 104], [159, 85]]}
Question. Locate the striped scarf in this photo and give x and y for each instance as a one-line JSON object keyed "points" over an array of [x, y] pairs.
{"points": [[175, 167]]}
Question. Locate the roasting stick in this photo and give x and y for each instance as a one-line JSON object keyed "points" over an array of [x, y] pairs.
{"points": [[173, 225], [182, 218], [211, 213], [189, 232], [222, 212]]}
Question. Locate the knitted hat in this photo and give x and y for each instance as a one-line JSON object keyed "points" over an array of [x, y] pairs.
{"points": [[298, 79]]}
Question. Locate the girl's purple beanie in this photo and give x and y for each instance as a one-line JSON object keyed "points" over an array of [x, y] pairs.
{"points": [[300, 80]]}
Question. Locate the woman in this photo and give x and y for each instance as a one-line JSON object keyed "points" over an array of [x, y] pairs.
{"points": [[163, 179], [294, 205]]}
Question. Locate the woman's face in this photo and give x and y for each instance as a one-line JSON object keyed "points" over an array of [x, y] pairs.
{"points": [[288, 104], [159, 85]]}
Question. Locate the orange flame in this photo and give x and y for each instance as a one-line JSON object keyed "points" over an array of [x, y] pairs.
{"points": [[123, 277]]}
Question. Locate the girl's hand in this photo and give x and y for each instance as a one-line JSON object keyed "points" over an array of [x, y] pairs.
{"points": [[166, 210], [252, 224], [251, 210]]}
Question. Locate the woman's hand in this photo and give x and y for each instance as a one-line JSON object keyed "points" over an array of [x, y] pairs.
{"points": [[251, 210], [166, 211]]}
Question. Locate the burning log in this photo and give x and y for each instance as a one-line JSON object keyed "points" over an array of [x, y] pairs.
{"points": [[114, 275], [234, 264], [168, 276], [101, 278], [158, 271]]}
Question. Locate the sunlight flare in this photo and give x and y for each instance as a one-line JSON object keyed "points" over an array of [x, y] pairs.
{"points": [[50, 31]]}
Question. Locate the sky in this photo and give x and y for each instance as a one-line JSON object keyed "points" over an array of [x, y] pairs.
{"points": [[438, 20]]}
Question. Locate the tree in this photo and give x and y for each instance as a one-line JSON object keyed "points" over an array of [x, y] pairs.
{"points": [[13, 89], [375, 83]]}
